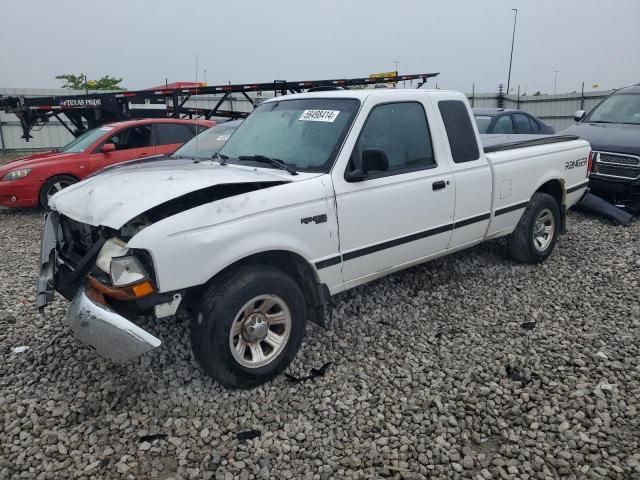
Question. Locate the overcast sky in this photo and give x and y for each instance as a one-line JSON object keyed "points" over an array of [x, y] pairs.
{"points": [[467, 41]]}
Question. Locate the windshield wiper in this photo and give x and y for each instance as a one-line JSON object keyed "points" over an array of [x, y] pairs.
{"points": [[276, 162], [222, 159]]}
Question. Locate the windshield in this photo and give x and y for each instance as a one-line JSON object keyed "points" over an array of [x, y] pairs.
{"points": [[618, 108], [209, 142], [483, 123], [306, 133], [85, 140]]}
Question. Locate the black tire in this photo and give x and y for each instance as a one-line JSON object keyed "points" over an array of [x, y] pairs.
{"points": [[221, 303], [62, 180], [522, 246]]}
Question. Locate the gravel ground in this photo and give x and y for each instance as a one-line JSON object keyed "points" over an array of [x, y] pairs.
{"points": [[471, 366]]}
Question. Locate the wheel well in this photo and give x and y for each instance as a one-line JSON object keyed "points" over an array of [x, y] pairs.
{"points": [[58, 175], [62, 175], [54, 176], [553, 188], [300, 270]]}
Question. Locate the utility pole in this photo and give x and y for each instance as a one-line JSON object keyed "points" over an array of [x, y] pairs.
{"points": [[555, 81], [513, 39], [205, 76], [86, 85], [397, 63]]}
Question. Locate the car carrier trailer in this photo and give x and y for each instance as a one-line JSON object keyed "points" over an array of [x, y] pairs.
{"points": [[88, 111]]}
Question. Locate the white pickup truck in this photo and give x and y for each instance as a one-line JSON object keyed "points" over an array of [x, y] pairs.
{"points": [[314, 194]]}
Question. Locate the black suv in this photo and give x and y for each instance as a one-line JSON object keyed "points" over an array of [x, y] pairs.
{"points": [[613, 130]]}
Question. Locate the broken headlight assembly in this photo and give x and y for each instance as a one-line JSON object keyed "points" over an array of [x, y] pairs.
{"points": [[126, 271], [129, 278], [114, 247]]}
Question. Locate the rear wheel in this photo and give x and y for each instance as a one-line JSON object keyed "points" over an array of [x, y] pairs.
{"points": [[53, 186], [535, 236], [249, 327]]}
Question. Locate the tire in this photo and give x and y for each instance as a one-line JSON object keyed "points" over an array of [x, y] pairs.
{"points": [[236, 300], [54, 185], [529, 243]]}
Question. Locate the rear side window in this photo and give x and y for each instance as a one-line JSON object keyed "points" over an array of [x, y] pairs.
{"points": [[535, 126], [522, 123], [171, 133], [503, 125], [457, 123]]}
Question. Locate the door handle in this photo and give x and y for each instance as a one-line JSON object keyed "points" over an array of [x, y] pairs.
{"points": [[439, 185], [143, 154]]}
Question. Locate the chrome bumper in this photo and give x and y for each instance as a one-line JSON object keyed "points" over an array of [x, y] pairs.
{"points": [[108, 333]]}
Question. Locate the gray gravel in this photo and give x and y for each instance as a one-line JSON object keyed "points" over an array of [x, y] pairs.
{"points": [[418, 389]]}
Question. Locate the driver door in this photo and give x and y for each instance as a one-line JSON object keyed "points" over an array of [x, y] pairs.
{"points": [[400, 214], [131, 143]]}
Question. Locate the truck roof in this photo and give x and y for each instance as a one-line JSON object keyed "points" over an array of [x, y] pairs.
{"points": [[361, 94]]}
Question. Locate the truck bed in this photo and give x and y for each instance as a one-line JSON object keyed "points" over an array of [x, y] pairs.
{"points": [[500, 142]]}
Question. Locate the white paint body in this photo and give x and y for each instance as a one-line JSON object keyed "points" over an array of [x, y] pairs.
{"points": [[191, 247]]}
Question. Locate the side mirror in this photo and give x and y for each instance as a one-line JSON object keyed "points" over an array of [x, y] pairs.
{"points": [[108, 147], [372, 160], [579, 115]]}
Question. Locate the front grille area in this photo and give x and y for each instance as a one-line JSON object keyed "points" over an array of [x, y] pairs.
{"points": [[617, 165], [76, 239], [619, 159]]}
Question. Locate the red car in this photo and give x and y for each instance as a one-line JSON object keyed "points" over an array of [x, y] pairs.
{"points": [[31, 181]]}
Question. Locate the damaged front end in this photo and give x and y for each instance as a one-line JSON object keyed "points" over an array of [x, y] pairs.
{"points": [[68, 251], [112, 336], [76, 261], [86, 255]]}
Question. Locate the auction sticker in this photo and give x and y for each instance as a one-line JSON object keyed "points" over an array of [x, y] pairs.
{"points": [[319, 115]]}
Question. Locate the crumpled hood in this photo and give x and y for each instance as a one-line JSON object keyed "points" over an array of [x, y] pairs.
{"points": [[609, 137], [118, 195]]}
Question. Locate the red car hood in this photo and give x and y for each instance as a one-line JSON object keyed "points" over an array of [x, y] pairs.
{"points": [[36, 159]]}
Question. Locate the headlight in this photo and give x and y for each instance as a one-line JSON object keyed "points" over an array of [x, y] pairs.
{"points": [[126, 271], [16, 174], [114, 247]]}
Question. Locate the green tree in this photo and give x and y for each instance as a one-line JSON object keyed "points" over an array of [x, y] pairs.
{"points": [[77, 82]]}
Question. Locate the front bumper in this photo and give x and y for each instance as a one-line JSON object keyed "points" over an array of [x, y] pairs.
{"points": [[19, 193], [623, 189], [111, 335]]}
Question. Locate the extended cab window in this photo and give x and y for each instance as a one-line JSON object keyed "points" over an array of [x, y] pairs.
{"points": [[402, 132], [170, 133], [134, 137], [462, 137]]}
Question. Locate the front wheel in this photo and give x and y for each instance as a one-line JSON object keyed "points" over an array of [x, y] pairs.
{"points": [[537, 232], [249, 327]]}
